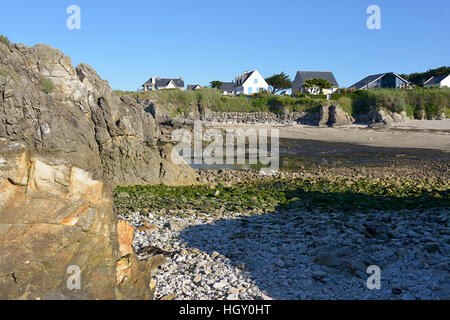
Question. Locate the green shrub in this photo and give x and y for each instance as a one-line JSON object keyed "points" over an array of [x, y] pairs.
{"points": [[433, 100], [47, 84], [4, 39]]}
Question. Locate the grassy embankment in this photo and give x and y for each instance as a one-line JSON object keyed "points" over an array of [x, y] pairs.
{"points": [[184, 101], [433, 101]]}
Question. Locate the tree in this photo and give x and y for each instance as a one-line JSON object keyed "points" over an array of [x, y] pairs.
{"points": [[316, 86], [419, 78], [216, 84], [279, 82]]}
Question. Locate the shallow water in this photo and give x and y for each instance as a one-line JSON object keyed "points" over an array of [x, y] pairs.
{"points": [[296, 153]]}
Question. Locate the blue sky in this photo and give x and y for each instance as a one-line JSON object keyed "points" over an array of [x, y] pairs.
{"points": [[202, 40]]}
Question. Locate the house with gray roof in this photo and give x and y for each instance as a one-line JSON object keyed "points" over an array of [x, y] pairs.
{"points": [[248, 83], [389, 80], [163, 83], [438, 81], [227, 88], [302, 76], [192, 87]]}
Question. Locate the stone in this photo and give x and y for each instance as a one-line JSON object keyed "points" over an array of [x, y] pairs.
{"points": [[338, 117], [232, 296], [60, 217], [319, 275], [279, 263], [220, 285], [125, 234], [324, 116], [197, 278], [432, 247], [176, 226], [170, 296], [333, 257], [148, 227]]}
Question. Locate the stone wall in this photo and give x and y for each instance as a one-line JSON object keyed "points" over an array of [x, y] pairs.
{"points": [[288, 118], [329, 115]]}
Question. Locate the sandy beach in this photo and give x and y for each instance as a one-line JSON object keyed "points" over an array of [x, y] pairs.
{"points": [[422, 134]]}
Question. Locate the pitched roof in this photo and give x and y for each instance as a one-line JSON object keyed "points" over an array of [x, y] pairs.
{"points": [[193, 86], [227, 86], [163, 82], [247, 76], [435, 80], [302, 76], [369, 79]]}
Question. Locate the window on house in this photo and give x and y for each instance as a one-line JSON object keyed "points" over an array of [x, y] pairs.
{"points": [[256, 81], [250, 90]]}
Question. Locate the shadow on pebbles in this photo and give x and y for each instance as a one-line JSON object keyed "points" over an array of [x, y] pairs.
{"points": [[298, 255]]}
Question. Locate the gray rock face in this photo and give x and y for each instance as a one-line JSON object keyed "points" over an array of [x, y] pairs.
{"points": [[338, 117], [80, 119], [334, 116]]}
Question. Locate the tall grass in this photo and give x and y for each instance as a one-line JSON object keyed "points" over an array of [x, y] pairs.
{"points": [[215, 101], [4, 39], [434, 101]]}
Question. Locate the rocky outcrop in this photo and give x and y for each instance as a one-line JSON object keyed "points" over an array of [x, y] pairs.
{"points": [[54, 220], [382, 117], [333, 116], [73, 114], [338, 117]]}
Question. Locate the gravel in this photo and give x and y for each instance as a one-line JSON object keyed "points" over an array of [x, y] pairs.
{"points": [[295, 254]]}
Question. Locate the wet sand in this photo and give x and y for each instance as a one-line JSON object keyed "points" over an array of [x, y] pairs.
{"points": [[414, 134]]}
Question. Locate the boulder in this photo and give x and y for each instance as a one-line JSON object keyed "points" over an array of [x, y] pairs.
{"points": [[338, 117], [324, 114], [56, 221], [333, 116]]}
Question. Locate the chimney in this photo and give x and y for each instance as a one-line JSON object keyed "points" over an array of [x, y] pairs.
{"points": [[153, 80], [181, 78]]}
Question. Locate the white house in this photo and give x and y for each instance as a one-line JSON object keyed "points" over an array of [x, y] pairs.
{"points": [[438, 81], [160, 84], [249, 83]]}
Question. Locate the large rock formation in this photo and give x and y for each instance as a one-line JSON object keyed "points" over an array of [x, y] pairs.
{"points": [[63, 131], [54, 218], [333, 116], [80, 119]]}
